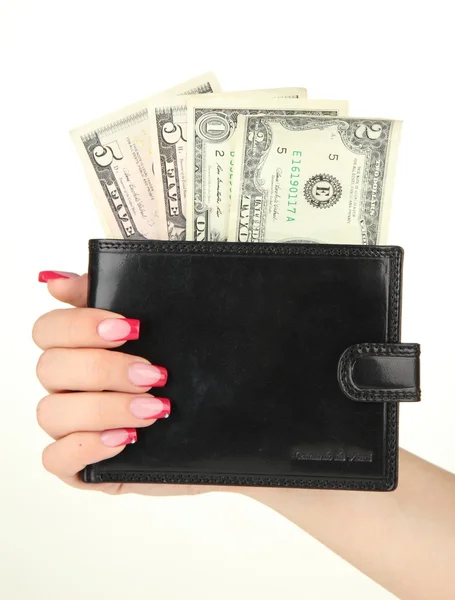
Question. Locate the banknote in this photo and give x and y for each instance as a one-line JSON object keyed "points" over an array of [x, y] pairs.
{"points": [[211, 151], [117, 158], [168, 119], [313, 179]]}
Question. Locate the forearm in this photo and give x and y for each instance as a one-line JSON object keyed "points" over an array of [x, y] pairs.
{"points": [[404, 540]]}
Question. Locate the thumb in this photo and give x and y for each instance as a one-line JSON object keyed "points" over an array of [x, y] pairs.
{"points": [[66, 287]]}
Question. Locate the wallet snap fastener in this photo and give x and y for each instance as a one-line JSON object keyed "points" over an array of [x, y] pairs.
{"points": [[380, 372]]}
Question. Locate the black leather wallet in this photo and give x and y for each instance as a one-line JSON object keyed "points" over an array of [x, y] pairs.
{"points": [[285, 362]]}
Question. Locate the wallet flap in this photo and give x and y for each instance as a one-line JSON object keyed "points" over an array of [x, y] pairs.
{"points": [[380, 372]]}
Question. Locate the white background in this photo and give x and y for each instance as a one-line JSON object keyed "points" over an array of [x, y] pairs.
{"points": [[64, 64]]}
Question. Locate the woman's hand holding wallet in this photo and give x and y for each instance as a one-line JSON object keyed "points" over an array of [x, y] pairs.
{"points": [[97, 397]]}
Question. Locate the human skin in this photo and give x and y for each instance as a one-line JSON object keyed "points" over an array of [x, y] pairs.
{"points": [[404, 540]]}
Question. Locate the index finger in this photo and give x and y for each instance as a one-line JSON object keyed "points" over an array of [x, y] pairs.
{"points": [[66, 287]]}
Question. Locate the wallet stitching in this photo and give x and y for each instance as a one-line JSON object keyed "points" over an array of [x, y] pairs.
{"points": [[355, 352], [249, 249], [392, 410], [92, 473], [244, 480]]}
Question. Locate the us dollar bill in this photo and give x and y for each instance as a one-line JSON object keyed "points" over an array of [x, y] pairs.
{"points": [[117, 157], [168, 118], [313, 179], [212, 139]]}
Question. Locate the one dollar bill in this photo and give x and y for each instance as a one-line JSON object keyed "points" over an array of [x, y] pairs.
{"points": [[117, 157], [211, 151], [313, 179], [168, 119]]}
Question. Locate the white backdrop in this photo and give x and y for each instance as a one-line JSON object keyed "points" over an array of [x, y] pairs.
{"points": [[66, 63]]}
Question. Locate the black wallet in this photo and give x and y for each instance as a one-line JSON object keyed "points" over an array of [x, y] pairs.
{"points": [[285, 362]]}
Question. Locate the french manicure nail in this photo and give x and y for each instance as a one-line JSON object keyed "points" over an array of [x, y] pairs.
{"points": [[116, 330], [119, 437], [145, 375], [45, 276], [150, 407]]}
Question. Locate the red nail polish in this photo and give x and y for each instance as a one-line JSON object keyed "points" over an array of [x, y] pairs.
{"points": [[45, 276], [163, 377], [150, 407], [146, 375], [132, 435], [119, 330], [119, 437], [135, 325], [166, 411]]}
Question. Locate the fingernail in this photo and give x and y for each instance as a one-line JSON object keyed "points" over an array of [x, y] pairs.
{"points": [[116, 330], [150, 407], [146, 375], [119, 437], [45, 276]]}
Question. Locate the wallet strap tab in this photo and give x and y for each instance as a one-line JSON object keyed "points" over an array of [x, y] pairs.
{"points": [[380, 372]]}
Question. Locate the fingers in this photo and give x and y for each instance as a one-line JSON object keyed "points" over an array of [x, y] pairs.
{"points": [[71, 454], [83, 328], [65, 369], [66, 287], [66, 457], [62, 414], [109, 402]]}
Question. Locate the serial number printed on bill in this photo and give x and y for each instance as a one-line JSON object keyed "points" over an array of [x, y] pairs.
{"points": [[294, 182]]}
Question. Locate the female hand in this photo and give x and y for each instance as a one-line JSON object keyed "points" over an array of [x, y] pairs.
{"points": [[78, 364]]}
